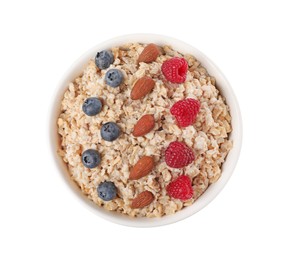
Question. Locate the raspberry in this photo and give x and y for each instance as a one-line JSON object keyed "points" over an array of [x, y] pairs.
{"points": [[175, 69], [178, 155], [185, 111], [181, 188]]}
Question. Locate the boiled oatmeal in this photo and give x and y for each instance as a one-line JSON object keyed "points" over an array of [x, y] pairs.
{"points": [[144, 130]]}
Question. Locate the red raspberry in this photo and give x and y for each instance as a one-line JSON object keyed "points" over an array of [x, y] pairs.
{"points": [[185, 111], [181, 188], [175, 69], [178, 155]]}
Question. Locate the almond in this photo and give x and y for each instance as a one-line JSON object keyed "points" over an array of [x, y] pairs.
{"points": [[144, 125], [142, 200], [143, 167], [149, 54], [142, 87]]}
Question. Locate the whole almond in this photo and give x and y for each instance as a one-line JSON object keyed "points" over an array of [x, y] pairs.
{"points": [[142, 87], [142, 200], [142, 168], [149, 54], [144, 125]]}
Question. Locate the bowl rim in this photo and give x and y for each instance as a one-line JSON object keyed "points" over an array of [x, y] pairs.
{"points": [[230, 161]]}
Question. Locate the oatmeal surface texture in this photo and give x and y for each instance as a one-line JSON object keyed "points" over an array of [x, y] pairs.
{"points": [[208, 137]]}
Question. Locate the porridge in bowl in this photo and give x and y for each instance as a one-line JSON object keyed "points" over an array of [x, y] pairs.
{"points": [[144, 130]]}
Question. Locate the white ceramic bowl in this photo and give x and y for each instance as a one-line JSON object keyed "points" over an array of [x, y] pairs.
{"points": [[226, 91]]}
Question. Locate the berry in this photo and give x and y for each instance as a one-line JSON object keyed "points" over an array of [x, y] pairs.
{"points": [[91, 158], [110, 131], [185, 111], [181, 188], [175, 69], [114, 78], [92, 106], [103, 59], [107, 190], [178, 155]]}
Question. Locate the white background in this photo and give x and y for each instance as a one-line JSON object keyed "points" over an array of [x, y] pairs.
{"points": [[40, 219]]}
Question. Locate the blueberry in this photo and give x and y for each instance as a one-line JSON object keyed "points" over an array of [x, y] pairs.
{"points": [[92, 106], [110, 131], [107, 190], [103, 59], [114, 78], [91, 158]]}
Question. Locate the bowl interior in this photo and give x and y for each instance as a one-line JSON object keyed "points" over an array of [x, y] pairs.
{"points": [[222, 85]]}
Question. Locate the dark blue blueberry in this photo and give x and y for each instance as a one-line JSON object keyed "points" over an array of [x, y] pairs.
{"points": [[91, 158], [107, 190], [103, 59], [92, 106], [110, 131], [114, 78]]}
